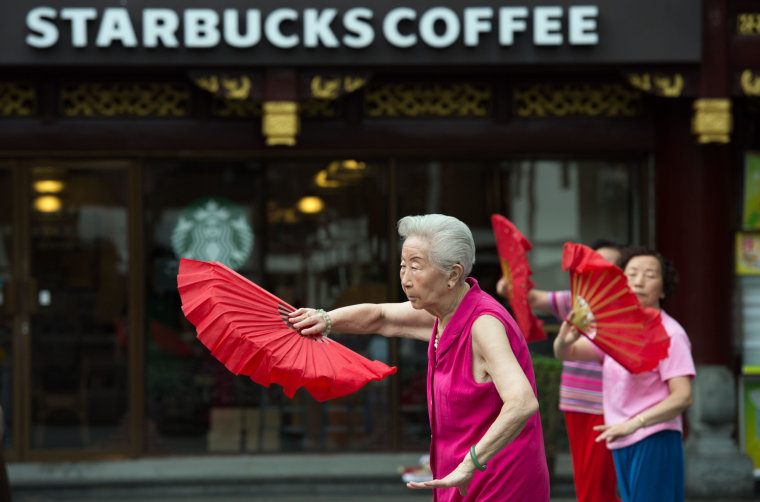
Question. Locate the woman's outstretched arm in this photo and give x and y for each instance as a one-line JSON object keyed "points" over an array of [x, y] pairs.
{"points": [[387, 319]]}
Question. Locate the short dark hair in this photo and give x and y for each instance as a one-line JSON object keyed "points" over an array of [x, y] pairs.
{"points": [[669, 274], [607, 243]]}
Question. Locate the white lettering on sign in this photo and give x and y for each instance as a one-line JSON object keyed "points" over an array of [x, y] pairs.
{"points": [[232, 33], [451, 27], [316, 28], [511, 20], [201, 28], [477, 20], [547, 26], [391, 28], [273, 31], [116, 27], [44, 32], [160, 25], [79, 18], [357, 23], [287, 28], [582, 25]]}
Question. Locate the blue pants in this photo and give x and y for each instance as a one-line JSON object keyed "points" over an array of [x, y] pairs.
{"points": [[651, 470]]}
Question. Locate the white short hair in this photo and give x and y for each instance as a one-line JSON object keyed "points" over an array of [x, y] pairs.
{"points": [[450, 240]]}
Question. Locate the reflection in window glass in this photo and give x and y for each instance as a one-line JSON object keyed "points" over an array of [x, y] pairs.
{"points": [[319, 238], [79, 332], [553, 202], [468, 191], [193, 403], [550, 201], [331, 254]]}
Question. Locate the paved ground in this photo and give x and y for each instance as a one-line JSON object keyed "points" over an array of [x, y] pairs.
{"points": [[262, 478]]}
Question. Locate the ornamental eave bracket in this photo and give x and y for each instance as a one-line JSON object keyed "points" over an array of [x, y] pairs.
{"points": [[712, 121], [664, 85], [281, 122]]}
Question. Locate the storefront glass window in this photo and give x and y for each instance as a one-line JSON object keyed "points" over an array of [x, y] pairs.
{"points": [[78, 318], [555, 201], [321, 235], [550, 201], [318, 237]]}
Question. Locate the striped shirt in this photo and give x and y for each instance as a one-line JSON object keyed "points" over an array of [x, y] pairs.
{"points": [[581, 384]]}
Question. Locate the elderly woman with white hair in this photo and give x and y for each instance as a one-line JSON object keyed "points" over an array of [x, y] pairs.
{"points": [[487, 443]]}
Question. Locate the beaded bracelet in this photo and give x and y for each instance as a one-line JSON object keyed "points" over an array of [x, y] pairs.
{"points": [[326, 317], [475, 459]]}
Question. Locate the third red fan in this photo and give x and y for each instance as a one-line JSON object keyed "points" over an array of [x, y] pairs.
{"points": [[512, 246], [609, 314], [247, 329]]}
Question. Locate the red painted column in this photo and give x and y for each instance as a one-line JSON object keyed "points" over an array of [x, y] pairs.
{"points": [[695, 184]]}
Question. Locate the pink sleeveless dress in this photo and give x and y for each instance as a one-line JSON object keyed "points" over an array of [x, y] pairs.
{"points": [[461, 411]]}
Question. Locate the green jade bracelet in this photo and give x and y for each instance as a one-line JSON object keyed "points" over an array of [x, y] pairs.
{"points": [[475, 459], [326, 317]]}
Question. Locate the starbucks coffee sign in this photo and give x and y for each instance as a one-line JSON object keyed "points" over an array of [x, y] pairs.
{"points": [[238, 33], [213, 229], [290, 28]]}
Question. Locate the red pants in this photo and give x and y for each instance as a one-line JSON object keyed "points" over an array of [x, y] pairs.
{"points": [[593, 467]]}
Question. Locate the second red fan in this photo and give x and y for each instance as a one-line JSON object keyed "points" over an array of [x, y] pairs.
{"points": [[607, 312], [512, 246]]}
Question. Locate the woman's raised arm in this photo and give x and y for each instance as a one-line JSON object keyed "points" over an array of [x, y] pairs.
{"points": [[386, 319]]}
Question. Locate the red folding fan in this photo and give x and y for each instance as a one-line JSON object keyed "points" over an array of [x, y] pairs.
{"points": [[247, 329], [512, 245], [609, 314]]}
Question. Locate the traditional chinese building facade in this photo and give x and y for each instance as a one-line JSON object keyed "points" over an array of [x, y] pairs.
{"points": [[290, 139]]}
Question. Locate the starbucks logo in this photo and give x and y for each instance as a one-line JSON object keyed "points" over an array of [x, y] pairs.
{"points": [[213, 229]]}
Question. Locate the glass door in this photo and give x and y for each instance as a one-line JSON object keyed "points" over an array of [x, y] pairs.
{"points": [[77, 297]]}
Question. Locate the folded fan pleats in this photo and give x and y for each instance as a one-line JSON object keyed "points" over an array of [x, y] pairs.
{"points": [[607, 312], [245, 327]]}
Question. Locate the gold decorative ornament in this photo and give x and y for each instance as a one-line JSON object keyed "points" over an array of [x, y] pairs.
{"points": [[669, 86], [229, 86], [712, 122], [124, 100], [333, 87], [237, 88], [576, 100], [325, 88], [750, 83], [280, 123], [208, 82], [428, 100], [666, 86], [320, 108], [236, 108], [641, 81], [17, 99], [351, 84], [748, 23]]}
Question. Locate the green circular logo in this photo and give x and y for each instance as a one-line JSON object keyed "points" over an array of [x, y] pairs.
{"points": [[213, 229]]}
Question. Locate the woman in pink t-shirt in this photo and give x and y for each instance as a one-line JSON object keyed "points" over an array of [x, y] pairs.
{"points": [[643, 425], [486, 444]]}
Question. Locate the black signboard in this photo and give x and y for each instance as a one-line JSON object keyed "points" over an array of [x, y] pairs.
{"points": [[238, 33]]}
